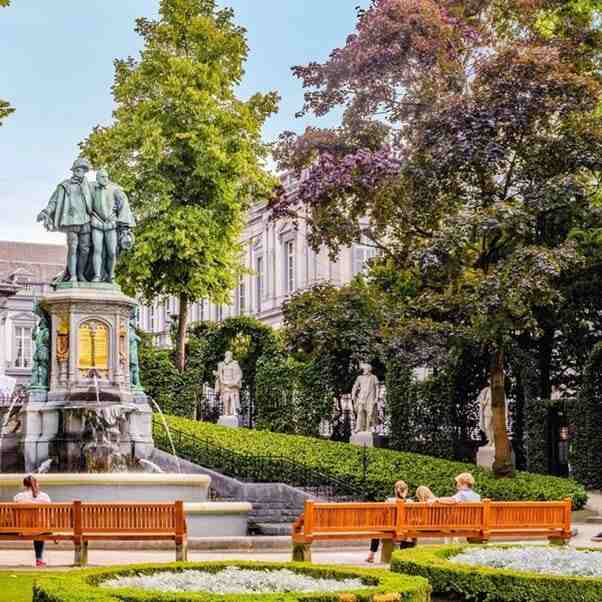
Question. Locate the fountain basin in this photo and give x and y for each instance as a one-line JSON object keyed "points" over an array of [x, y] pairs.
{"points": [[113, 487], [217, 519]]}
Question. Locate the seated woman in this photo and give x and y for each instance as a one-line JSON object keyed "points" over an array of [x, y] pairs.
{"points": [[401, 493], [424, 494]]}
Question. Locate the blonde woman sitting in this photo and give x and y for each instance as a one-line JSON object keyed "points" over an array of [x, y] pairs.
{"points": [[425, 495]]}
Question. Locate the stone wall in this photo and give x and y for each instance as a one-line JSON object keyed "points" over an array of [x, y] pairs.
{"points": [[272, 502]]}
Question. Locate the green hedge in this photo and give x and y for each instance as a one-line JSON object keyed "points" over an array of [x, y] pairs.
{"points": [[344, 461], [586, 416], [84, 586], [489, 584]]}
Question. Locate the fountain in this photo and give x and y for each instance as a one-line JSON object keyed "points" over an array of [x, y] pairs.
{"points": [[85, 425]]}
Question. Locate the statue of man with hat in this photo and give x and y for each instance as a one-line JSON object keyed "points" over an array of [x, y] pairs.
{"points": [[69, 211]]}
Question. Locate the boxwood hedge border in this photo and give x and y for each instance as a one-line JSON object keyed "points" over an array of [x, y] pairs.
{"points": [[84, 586], [345, 462], [487, 584]]}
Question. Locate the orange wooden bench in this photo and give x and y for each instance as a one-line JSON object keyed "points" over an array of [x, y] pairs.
{"points": [[83, 522], [396, 521]]}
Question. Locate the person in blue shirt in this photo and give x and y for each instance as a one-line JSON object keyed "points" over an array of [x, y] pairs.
{"points": [[464, 490]]}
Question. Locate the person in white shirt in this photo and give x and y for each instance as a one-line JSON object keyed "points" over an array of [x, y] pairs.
{"points": [[33, 495]]}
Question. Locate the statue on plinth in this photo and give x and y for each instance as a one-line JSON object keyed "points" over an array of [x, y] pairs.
{"points": [[69, 211], [110, 216], [133, 342], [228, 384], [41, 352], [486, 414], [97, 220], [364, 396]]}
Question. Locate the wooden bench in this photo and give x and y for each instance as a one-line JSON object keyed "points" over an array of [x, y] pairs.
{"points": [[84, 522], [397, 521]]}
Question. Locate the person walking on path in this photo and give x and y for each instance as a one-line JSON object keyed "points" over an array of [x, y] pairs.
{"points": [[33, 495]]}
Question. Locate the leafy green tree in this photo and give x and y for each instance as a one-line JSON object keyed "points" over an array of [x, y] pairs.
{"points": [[5, 108], [471, 141], [187, 151], [336, 328]]}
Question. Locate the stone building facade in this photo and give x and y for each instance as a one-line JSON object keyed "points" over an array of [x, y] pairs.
{"points": [[26, 271], [277, 259]]}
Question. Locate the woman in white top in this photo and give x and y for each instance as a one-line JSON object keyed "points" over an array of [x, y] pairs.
{"points": [[33, 495]]}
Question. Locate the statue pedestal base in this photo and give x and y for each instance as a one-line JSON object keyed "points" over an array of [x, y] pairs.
{"points": [[363, 438], [230, 421], [486, 457]]}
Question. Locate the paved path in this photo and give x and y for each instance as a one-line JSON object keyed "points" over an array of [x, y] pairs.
{"points": [[22, 559]]}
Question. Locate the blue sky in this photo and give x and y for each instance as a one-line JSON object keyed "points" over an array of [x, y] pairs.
{"points": [[56, 69]]}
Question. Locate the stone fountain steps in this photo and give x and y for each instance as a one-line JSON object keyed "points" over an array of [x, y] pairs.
{"points": [[273, 529], [272, 503]]}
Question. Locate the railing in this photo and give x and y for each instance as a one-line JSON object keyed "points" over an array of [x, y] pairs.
{"points": [[255, 469]]}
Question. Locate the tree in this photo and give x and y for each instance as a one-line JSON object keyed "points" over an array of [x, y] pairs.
{"points": [[336, 327], [5, 108], [471, 140], [187, 151]]}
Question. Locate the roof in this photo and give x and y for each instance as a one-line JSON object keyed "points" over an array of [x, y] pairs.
{"points": [[31, 262]]}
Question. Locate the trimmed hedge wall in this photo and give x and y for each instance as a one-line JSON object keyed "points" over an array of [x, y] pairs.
{"points": [[586, 416], [488, 584], [381, 586], [344, 461]]}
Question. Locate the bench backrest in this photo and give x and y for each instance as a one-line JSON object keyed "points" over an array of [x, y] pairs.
{"points": [[327, 517], [400, 517], [440, 516], [117, 518], [78, 517], [23, 517]]}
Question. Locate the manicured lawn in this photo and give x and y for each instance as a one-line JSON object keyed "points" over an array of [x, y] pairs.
{"points": [[16, 586]]}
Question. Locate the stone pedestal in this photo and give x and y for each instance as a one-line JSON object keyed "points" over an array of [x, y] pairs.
{"points": [[230, 421], [89, 399], [363, 438], [486, 457]]}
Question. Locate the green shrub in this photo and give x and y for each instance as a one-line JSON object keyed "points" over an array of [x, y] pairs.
{"points": [[586, 416], [84, 586], [489, 584], [344, 461]]}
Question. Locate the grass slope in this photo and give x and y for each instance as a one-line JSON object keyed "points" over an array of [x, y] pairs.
{"points": [[384, 466]]}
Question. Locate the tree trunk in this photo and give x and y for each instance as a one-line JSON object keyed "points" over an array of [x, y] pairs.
{"points": [[181, 339], [502, 467]]}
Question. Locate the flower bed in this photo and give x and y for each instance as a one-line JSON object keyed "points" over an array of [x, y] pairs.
{"points": [[447, 574], [101, 585], [344, 461], [566, 562], [234, 580]]}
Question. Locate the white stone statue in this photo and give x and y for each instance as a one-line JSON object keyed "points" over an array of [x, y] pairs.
{"points": [[364, 396], [228, 383], [486, 414]]}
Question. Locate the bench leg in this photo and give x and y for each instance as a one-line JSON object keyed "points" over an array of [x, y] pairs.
{"points": [[80, 555], [301, 552], [558, 541], [386, 552], [182, 552]]}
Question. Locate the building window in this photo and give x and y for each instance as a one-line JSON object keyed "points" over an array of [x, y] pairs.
{"points": [[22, 347], [219, 311], [259, 281], [151, 318], [202, 310], [289, 266], [241, 300], [166, 314], [362, 253]]}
